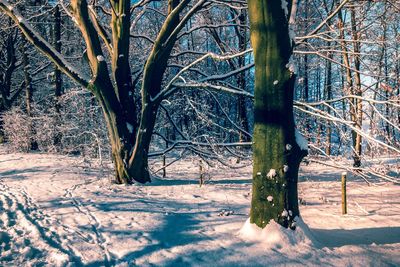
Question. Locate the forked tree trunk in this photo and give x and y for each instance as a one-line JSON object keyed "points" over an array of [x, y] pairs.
{"points": [[130, 140], [129, 157], [276, 153]]}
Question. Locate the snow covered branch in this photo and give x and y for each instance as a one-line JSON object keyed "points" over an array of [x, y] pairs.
{"points": [[44, 46]]}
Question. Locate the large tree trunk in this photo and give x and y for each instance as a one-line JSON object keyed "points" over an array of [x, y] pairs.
{"points": [[276, 153], [153, 73], [121, 134]]}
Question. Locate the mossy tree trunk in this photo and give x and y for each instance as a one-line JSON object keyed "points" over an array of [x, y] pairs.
{"points": [[276, 153], [153, 73]]}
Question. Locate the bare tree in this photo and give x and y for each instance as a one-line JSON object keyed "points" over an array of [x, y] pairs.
{"points": [[129, 130]]}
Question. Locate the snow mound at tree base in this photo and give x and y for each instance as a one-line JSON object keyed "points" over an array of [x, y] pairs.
{"points": [[276, 236]]}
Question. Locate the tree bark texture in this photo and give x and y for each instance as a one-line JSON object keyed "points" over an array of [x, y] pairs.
{"points": [[276, 154]]}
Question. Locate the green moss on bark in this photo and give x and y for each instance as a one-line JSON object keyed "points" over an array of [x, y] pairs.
{"points": [[275, 149]]}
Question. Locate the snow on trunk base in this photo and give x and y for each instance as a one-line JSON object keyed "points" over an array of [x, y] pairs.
{"points": [[274, 235]]}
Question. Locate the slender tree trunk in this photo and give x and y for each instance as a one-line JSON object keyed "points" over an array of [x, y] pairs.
{"points": [[241, 34], [357, 139], [387, 93], [28, 94], [276, 153], [354, 89], [318, 97], [373, 125], [328, 90], [306, 95], [397, 74], [242, 114], [328, 148], [57, 75]]}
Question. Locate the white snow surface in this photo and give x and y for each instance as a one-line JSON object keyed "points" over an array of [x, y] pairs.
{"points": [[63, 211], [275, 236]]}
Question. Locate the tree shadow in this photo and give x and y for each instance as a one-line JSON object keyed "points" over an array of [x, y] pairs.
{"points": [[174, 231], [326, 176], [363, 236], [8, 160], [19, 174], [16, 171], [174, 182], [173, 225]]}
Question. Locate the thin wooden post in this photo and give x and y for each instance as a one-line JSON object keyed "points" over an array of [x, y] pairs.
{"points": [[201, 180], [344, 195], [164, 171]]}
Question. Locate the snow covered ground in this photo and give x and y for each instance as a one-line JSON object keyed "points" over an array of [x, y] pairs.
{"points": [[60, 211]]}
